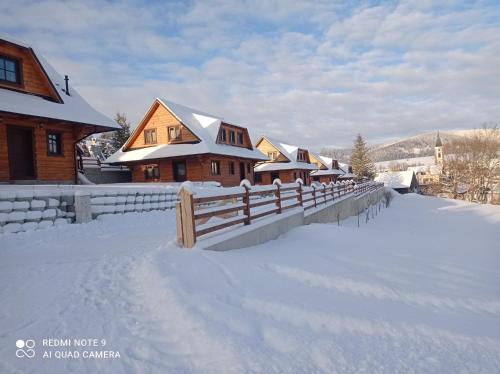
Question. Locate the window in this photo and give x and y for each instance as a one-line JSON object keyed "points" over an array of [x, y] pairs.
{"points": [[152, 172], [54, 144], [231, 168], [174, 133], [272, 155], [258, 178], [215, 167], [223, 135], [240, 138], [232, 139], [9, 70], [150, 136]]}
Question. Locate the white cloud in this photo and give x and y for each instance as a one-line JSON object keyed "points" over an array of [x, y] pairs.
{"points": [[315, 72]]}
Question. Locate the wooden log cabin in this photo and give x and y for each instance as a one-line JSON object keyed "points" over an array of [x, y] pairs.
{"points": [[174, 143], [41, 119], [328, 169], [286, 162]]}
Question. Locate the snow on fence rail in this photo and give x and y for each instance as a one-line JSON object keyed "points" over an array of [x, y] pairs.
{"points": [[94, 163], [241, 205]]}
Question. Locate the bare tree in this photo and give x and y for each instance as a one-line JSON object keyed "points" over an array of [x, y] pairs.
{"points": [[472, 165], [341, 155], [398, 166]]}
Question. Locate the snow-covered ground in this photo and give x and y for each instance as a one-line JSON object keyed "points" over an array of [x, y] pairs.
{"points": [[417, 289]]}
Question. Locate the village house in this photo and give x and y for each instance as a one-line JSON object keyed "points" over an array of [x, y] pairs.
{"points": [[329, 170], [286, 162], [41, 119], [431, 175], [429, 170], [400, 181], [174, 143]]}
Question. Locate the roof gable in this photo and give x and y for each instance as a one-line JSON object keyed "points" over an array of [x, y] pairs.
{"points": [[157, 112], [51, 102], [319, 159], [33, 77], [287, 150], [202, 125]]}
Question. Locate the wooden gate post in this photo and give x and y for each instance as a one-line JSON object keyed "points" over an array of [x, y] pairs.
{"points": [[178, 222], [314, 195], [246, 201], [187, 220], [299, 191], [278, 196]]}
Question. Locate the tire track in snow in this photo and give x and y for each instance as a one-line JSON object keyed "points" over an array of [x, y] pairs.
{"points": [[354, 287], [193, 346]]}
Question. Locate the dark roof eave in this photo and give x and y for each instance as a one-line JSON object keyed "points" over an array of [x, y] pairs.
{"points": [[182, 156], [102, 128]]}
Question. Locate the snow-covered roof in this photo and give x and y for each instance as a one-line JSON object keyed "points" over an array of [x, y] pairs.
{"points": [[327, 172], [273, 166], [205, 126], [431, 169], [395, 179], [73, 109], [287, 150], [328, 162], [344, 168]]}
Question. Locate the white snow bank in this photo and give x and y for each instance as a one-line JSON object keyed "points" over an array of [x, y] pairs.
{"points": [[411, 291]]}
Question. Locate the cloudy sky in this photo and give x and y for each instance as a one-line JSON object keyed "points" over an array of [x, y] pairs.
{"points": [[310, 73]]}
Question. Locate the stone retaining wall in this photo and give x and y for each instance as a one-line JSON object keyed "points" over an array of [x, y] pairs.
{"points": [[24, 208]]}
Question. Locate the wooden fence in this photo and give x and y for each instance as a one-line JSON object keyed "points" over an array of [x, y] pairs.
{"points": [[95, 163], [206, 212]]}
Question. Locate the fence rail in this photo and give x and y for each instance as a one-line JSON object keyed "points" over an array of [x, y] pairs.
{"points": [[202, 213]]}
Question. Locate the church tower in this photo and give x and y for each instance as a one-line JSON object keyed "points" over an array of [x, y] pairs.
{"points": [[438, 152]]}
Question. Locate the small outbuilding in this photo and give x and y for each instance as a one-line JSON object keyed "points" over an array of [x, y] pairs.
{"points": [[400, 181]]}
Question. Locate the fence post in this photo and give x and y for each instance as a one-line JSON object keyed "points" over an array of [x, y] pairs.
{"points": [[299, 190], [333, 191], [187, 220], [83, 207], [314, 195], [278, 196], [178, 221], [324, 193], [246, 201]]}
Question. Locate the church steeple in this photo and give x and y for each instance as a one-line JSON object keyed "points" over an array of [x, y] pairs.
{"points": [[438, 141], [438, 152]]}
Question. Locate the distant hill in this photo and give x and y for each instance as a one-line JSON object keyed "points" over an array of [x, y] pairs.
{"points": [[415, 146]]}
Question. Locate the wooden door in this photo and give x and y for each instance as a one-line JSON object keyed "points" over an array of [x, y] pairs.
{"points": [[180, 171], [21, 152], [242, 171]]}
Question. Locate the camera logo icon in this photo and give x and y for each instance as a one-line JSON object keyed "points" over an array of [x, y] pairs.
{"points": [[25, 348]]}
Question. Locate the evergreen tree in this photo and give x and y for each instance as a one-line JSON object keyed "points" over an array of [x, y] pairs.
{"points": [[361, 163], [119, 137]]}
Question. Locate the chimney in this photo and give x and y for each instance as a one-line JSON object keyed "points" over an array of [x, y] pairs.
{"points": [[66, 79]]}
